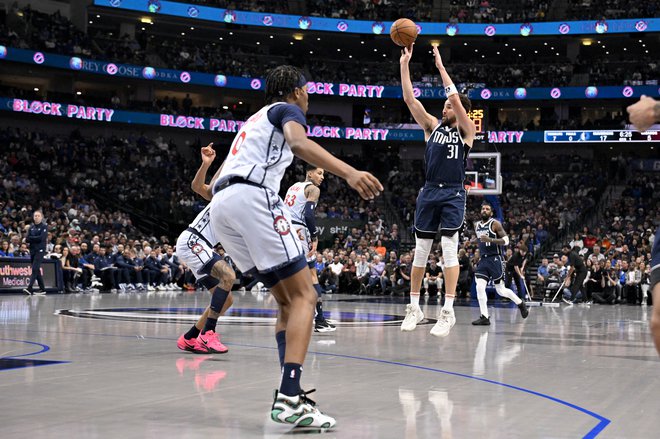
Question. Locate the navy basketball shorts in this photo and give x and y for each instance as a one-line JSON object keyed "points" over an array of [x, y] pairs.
{"points": [[490, 268], [439, 209]]}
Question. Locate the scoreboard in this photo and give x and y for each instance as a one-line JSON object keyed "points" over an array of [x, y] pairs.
{"points": [[600, 136], [478, 116]]}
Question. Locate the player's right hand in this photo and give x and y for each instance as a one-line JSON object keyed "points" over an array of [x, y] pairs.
{"points": [[366, 184], [406, 54], [208, 154]]}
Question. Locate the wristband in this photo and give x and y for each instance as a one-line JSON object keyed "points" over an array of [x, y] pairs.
{"points": [[451, 90]]}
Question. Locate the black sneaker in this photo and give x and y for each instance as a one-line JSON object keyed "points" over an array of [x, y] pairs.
{"points": [[323, 326], [524, 311], [27, 291], [482, 321]]}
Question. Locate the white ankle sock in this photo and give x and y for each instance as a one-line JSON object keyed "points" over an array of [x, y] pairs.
{"points": [[449, 303], [414, 299]]}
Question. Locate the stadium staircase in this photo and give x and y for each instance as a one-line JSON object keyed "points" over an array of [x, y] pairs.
{"points": [[141, 219]]}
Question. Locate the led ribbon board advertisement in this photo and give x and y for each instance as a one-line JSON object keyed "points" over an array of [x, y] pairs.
{"points": [[265, 19], [318, 88], [101, 114], [15, 274]]}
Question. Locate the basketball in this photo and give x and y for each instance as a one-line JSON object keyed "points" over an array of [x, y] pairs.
{"points": [[403, 32]]}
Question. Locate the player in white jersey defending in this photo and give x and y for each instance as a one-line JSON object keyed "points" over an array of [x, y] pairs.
{"points": [[254, 226], [195, 247], [301, 198]]}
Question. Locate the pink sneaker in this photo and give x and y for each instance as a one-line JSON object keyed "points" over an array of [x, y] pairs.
{"points": [[209, 343], [186, 345]]}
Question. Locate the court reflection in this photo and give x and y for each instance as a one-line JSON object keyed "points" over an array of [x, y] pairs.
{"points": [[205, 381]]}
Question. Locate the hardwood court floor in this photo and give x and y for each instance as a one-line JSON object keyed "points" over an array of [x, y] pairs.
{"points": [[108, 367]]}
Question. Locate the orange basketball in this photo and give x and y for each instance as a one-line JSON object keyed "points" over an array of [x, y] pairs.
{"points": [[403, 32]]}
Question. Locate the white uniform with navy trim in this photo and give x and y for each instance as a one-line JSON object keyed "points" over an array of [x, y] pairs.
{"points": [[195, 248], [258, 153], [252, 221], [296, 200]]}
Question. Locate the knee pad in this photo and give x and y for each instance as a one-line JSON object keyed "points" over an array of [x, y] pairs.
{"points": [[422, 251], [450, 249], [218, 299]]}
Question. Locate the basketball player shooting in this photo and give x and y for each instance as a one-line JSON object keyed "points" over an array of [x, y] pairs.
{"points": [[441, 202]]}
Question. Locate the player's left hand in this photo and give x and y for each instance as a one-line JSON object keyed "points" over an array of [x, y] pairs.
{"points": [[312, 251], [485, 238], [641, 114], [366, 184], [208, 154], [438, 58]]}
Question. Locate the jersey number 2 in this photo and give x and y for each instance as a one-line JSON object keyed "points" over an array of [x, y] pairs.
{"points": [[238, 143]]}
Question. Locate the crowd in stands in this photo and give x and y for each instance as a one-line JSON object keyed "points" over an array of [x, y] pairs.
{"points": [[54, 33], [617, 251], [486, 11], [611, 9]]}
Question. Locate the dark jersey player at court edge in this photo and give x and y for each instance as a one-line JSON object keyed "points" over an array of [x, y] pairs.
{"points": [[492, 237], [441, 202], [577, 265]]}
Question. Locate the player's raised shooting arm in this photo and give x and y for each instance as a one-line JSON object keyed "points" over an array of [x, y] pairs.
{"points": [[425, 120], [366, 184], [464, 122]]}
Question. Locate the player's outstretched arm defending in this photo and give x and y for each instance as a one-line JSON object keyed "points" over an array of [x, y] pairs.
{"points": [[366, 184]]}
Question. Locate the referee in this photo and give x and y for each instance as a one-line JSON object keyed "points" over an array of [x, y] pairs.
{"points": [[36, 238]]}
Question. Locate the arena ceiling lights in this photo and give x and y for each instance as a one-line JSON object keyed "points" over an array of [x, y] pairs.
{"points": [[197, 12]]}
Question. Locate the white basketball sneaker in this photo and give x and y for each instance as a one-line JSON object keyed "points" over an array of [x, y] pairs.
{"points": [[414, 315], [299, 411], [446, 321]]}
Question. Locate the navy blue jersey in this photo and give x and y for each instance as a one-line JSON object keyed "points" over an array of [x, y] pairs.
{"points": [[445, 156], [486, 229]]}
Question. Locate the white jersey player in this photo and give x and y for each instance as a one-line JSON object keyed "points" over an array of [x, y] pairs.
{"points": [[195, 248], [254, 225], [301, 198]]}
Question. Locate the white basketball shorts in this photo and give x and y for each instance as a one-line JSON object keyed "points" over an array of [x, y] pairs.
{"points": [[255, 228], [196, 253]]}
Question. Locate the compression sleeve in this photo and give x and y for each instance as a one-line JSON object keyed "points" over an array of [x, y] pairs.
{"points": [[310, 218]]}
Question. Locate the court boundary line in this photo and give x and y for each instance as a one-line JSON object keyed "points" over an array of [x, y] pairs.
{"points": [[603, 422]]}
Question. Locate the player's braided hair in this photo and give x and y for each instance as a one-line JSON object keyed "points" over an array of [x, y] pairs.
{"points": [[281, 81]]}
